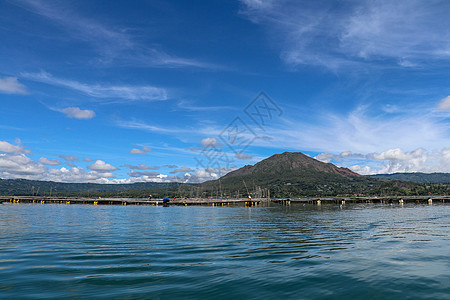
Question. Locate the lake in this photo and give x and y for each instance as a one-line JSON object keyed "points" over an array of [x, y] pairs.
{"points": [[365, 251]]}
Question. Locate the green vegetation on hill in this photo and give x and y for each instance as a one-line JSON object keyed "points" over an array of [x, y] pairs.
{"points": [[416, 177], [24, 187]]}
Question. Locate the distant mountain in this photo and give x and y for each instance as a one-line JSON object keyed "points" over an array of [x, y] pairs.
{"points": [[26, 187], [289, 173], [416, 177], [292, 164]]}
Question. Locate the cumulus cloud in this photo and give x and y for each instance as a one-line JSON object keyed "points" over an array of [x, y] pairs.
{"points": [[77, 174], [100, 165], [144, 150], [10, 85], [87, 159], [328, 157], [69, 157], [209, 142], [325, 157], [10, 148], [394, 160], [19, 166], [77, 113], [49, 162], [444, 104]]}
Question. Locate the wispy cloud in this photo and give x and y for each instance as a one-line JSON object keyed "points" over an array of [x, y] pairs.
{"points": [[355, 32], [125, 93], [444, 104], [10, 85], [186, 105], [135, 124], [108, 40], [362, 131], [112, 42]]}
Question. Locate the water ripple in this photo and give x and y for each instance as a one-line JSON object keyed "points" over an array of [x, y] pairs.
{"points": [[357, 251]]}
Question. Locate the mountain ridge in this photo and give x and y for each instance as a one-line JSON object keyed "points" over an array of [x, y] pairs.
{"points": [[419, 177]]}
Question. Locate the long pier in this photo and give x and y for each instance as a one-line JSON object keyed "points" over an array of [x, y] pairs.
{"points": [[374, 199], [225, 201], [131, 201]]}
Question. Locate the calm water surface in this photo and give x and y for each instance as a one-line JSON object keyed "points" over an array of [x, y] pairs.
{"points": [[293, 252]]}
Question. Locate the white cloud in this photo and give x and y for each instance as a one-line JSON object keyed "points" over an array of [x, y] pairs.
{"points": [[170, 166], [396, 160], [361, 131], [328, 157], [144, 150], [10, 148], [325, 157], [77, 174], [243, 156], [123, 92], [148, 174], [363, 170], [50, 162], [69, 157], [77, 113], [151, 128], [141, 167], [181, 170], [258, 4], [384, 29], [19, 166], [209, 142], [10, 85], [87, 159], [100, 165], [444, 104]]}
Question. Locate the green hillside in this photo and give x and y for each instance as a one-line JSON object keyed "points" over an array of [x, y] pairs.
{"points": [[416, 177]]}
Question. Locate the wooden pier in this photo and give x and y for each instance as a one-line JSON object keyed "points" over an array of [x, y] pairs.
{"points": [[382, 200], [130, 201], [226, 201]]}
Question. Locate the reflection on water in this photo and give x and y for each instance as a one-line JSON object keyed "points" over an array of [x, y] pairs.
{"points": [[297, 251]]}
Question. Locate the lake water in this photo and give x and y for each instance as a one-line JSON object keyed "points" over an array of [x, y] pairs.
{"points": [[266, 252]]}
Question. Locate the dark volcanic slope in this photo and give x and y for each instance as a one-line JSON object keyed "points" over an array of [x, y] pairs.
{"points": [[289, 168], [292, 163]]}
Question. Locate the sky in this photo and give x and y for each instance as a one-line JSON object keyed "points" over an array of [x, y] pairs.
{"points": [[186, 91]]}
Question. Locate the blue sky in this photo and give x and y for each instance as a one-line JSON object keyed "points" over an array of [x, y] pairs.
{"points": [[119, 92]]}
